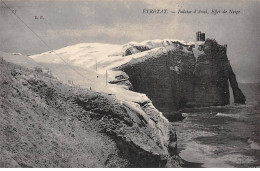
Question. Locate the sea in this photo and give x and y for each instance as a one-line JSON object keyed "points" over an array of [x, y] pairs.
{"points": [[221, 136]]}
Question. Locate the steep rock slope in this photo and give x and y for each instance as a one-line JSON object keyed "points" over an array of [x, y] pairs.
{"points": [[164, 77], [173, 78], [45, 123], [212, 75]]}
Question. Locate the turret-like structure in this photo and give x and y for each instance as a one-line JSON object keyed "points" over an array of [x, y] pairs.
{"points": [[200, 36]]}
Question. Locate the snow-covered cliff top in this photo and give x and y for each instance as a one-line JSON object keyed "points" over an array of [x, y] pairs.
{"points": [[96, 61], [101, 57]]}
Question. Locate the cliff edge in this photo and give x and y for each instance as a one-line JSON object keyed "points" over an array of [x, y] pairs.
{"points": [[176, 75], [45, 123]]}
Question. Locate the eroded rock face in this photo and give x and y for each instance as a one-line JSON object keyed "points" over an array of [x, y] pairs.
{"points": [[172, 77], [165, 78], [122, 79], [139, 130], [211, 73], [135, 49], [239, 97]]}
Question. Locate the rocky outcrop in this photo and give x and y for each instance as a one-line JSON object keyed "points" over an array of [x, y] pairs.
{"points": [[212, 74], [122, 79], [164, 77], [173, 78], [140, 132], [135, 49], [239, 97], [211, 87]]}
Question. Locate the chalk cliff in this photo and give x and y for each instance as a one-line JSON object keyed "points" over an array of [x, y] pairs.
{"points": [[173, 78], [212, 76]]}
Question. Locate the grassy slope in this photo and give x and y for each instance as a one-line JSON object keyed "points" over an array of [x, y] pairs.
{"points": [[40, 126], [44, 123]]}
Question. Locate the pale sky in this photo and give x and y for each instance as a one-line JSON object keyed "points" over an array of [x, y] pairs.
{"points": [[68, 22]]}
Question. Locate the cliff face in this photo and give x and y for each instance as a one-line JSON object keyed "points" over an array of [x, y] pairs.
{"points": [[239, 97], [172, 78], [164, 78], [44, 123], [212, 76], [211, 86]]}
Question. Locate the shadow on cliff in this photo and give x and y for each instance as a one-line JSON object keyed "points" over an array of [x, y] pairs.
{"points": [[174, 79]]}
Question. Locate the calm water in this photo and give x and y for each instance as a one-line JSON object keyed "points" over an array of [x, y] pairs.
{"points": [[220, 136]]}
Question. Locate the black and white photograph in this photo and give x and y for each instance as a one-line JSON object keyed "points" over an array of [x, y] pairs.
{"points": [[129, 84]]}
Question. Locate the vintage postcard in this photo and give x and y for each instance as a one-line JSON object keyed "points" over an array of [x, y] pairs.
{"points": [[129, 83]]}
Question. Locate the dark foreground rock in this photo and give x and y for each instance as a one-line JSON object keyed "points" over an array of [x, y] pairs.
{"points": [[44, 123]]}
